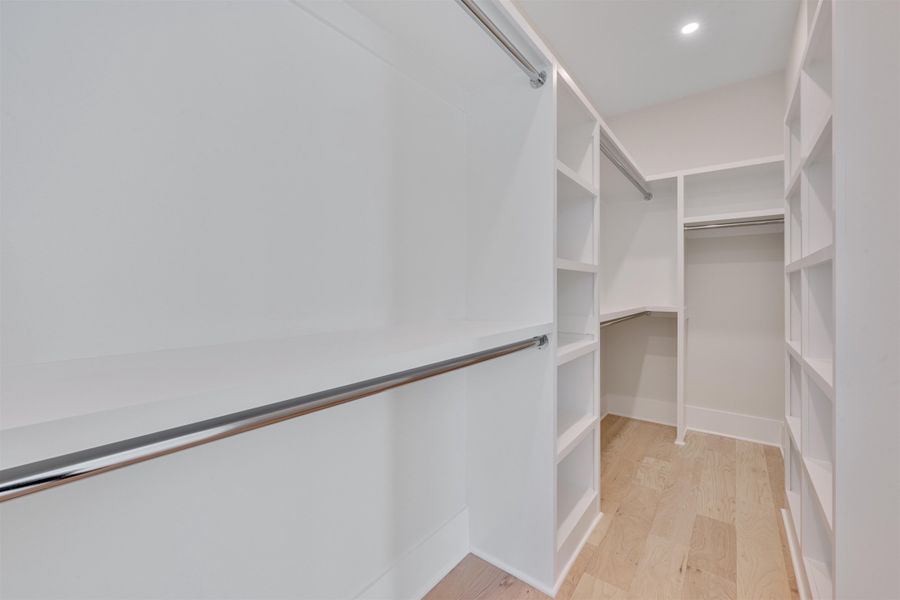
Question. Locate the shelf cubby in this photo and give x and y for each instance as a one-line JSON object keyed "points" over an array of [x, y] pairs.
{"points": [[738, 190], [794, 405], [575, 206], [575, 128], [816, 544], [818, 439], [819, 191], [793, 130], [795, 321], [575, 302], [575, 486], [815, 77], [575, 393], [818, 341], [793, 481], [793, 226]]}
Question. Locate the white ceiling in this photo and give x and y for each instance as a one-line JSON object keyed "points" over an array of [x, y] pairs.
{"points": [[629, 54]]}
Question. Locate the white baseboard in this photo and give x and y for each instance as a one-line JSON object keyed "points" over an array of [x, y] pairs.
{"points": [[734, 425], [541, 587], [697, 418], [794, 547], [423, 566], [643, 409]]}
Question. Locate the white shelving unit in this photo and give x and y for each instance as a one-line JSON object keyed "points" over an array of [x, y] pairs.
{"points": [[577, 326], [809, 307]]}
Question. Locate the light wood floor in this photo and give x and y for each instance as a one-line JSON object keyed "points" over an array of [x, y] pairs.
{"points": [[692, 522]]}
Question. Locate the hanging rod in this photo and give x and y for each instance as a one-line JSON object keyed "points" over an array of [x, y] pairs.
{"points": [[537, 78], [621, 162], [625, 318], [772, 221], [36, 476]]}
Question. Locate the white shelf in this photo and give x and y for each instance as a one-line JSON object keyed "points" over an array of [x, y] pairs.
{"points": [[747, 215], [821, 142], [816, 258], [571, 186], [793, 184], [96, 401], [576, 184], [571, 437], [821, 370], [821, 474], [794, 429], [574, 265], [794, 348], [581, 506], [570, 346], [819, 578]]}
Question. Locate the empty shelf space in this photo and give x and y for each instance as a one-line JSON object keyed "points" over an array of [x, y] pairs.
{"points": [[575, 126], [818, 257], [793, 425], [821, 370], [575, 491], [574, 265], [745, 188], [819, 578], [570, 346], [571, 437], [574, 183], [820, 144], [575, 307], [821, 474]]}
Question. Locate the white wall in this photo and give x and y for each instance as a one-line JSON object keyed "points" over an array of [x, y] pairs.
{"points": [[728, 124], [180, 174], [638, 375], [735, 340]]}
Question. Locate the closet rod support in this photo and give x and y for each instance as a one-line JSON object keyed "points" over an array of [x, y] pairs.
{"points": [[43, 474], [537, 78]]}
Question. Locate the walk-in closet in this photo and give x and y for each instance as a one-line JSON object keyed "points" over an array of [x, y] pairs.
{"points": [[450, 299]]}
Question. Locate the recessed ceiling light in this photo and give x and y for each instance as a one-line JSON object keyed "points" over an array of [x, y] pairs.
{"points": [[690, 28]]}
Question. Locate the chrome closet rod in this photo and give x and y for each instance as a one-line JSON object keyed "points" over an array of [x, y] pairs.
{"points": [[621, 162], [51, 472], [537, 78], [734, 224], [622, 319]]}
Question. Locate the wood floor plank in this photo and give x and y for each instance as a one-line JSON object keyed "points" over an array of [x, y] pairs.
{"points": [[591, 588], [660, 572], [716, 489], [699, 585], [761, 570], [654, 473], [714, 548], [617, 556]]}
